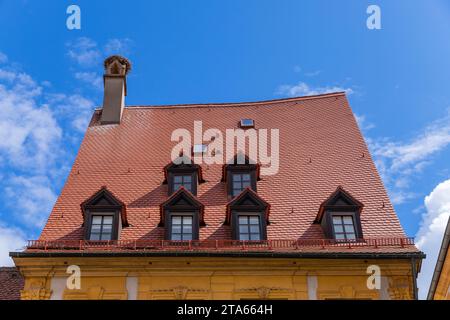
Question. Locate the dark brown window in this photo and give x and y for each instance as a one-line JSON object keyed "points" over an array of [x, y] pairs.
{"points": [[240, 181], [344, 227], [249, 227], [182, 227], [182, 175], [102, 227]]}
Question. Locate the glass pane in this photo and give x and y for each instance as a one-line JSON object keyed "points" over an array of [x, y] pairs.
{"points": [[176, 220], [236, 177], [187, 186], [254, 220], [351, 236], [107, 220], [96, 227], [243, 236], [95, 236], [187, 220], [338, 228], [255, 236], [243, 219], [177, 179], [187, 229], [340, 236], [243, 228], [176, 236], [348, 220], [246, 184], [187, 236], [96, 219], [187, 179], [176, 228], [246, 177], [337, 220], [237, 185], [106, 236], [349, 229], [254, 229]]}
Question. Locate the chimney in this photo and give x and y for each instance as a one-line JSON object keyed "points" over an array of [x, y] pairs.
{"points": [[115, 83]]}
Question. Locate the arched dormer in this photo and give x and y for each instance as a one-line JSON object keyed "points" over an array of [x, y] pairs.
{"points": [[182, 215], [239, 173], [339, 216], [248, 215], [104, 216]]}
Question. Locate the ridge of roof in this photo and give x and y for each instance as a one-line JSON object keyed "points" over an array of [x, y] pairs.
{"points": [[237, 104]]}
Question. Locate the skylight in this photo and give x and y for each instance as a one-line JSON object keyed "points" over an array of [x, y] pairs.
{"points": [[199, 148], [247, 123]]}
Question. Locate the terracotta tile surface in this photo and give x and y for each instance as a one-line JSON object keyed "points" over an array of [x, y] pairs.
{"points": [[11, 282], [321, 148]]}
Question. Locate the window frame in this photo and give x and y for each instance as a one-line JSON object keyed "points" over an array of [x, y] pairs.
{"points": [[240, 169], [116, 226], [235, 214], [183, 171], [329, 226], [186, 212]]}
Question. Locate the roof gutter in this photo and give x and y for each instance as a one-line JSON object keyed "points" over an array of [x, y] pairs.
{"points": [[308, 255]]}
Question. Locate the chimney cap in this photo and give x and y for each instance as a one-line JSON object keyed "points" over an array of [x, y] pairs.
{"points": [[124, 62]]}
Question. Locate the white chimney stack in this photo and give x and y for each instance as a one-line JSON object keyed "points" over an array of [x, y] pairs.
{"points": [[115, 83]]}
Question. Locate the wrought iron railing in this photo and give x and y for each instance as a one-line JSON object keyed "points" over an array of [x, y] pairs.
{"points": [[212, 245]]}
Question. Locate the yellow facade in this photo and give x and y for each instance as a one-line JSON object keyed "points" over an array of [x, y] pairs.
{"points": [[443, 285], [214, 278]]}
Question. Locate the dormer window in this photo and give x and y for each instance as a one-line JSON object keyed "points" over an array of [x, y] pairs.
{"points": [[240, 175], [104, 216], [248, 216], [182, 216], [339, 217], [184, 175]]}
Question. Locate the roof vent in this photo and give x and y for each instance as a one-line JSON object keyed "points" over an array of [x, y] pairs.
{"points": [[247, 123]]}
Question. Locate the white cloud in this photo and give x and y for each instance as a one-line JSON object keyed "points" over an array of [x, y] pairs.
{"points": [[363, 124], [118, 46], [431, 232], [3, 57], [91, 78], [84, 51], [398, 161], [303, 89], [11, 239]]}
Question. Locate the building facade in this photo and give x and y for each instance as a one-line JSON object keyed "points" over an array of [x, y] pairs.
{"points": [[440, 283], [156, 206]]}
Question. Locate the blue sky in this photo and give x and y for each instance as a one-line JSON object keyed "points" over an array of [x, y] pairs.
{"points": [[217, 51]]}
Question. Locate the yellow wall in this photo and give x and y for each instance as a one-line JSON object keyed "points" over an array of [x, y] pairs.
{"points": [[215, 278], [443, 285]]}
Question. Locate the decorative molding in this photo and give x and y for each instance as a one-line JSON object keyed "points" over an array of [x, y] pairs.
{"points": [[399, 288], [264, 292], [36, 291]]}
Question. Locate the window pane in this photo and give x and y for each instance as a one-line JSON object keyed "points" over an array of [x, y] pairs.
{"points": [[187, 179], [106, 236], [349, 229], [176, 236], [245, 177], [237, 177], [96, 219], [243, 228], [244, 236], [176, 220], [246, 184], [254, 220], [177, 179], [243, 219], [338, 228], [340, 236], [351, 236], [337, 220], [255, 236], [187, 229], [254, 228], [348, 220], [187, 236], [96, 227], [187, 220], [107, 220], [176, 228]]}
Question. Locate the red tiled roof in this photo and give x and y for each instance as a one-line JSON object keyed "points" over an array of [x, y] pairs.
{"points": [[11, 282], [321, 148]]}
